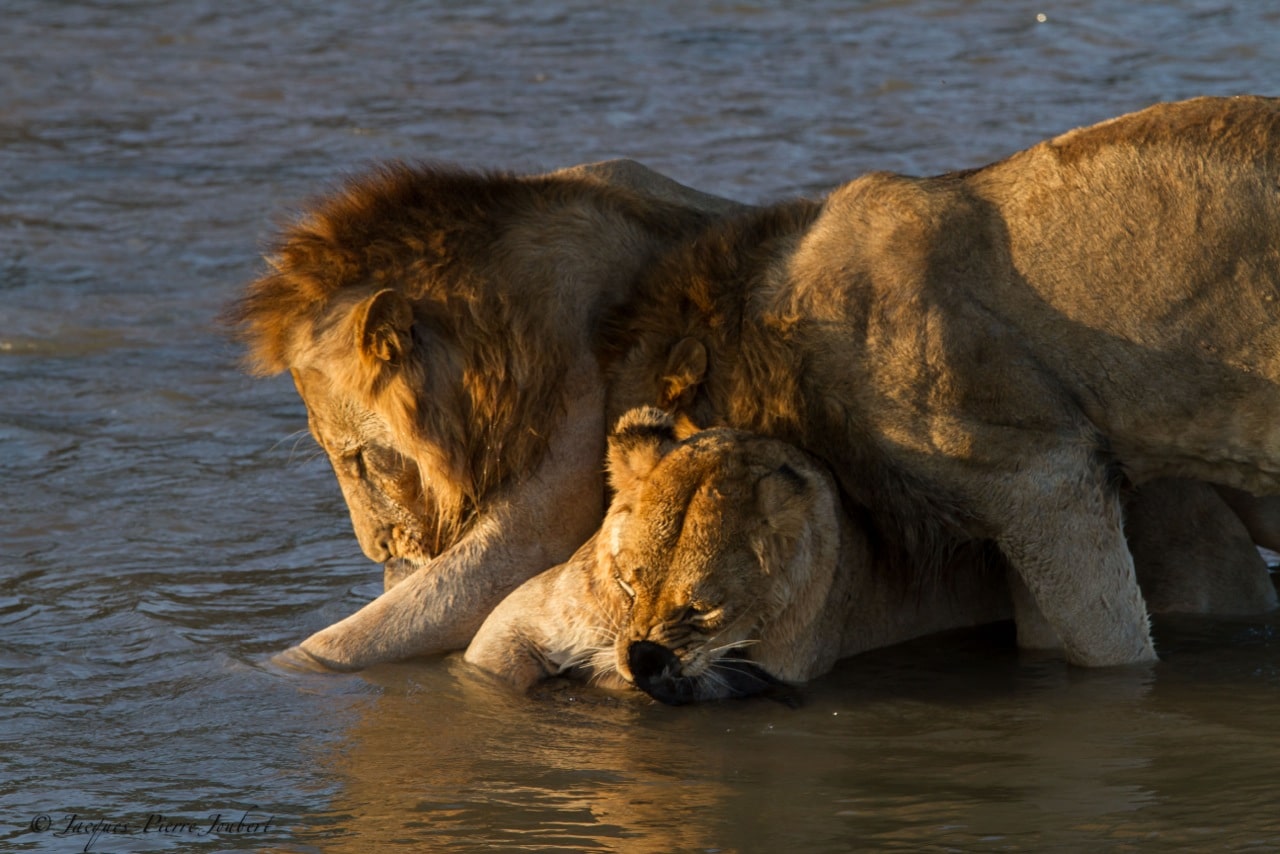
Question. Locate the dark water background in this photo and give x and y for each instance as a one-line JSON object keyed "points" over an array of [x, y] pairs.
{"points": [[165, 525]]}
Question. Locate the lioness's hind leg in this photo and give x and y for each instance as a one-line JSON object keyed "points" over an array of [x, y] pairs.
{"points": [[1260, 515], [1063, 534], [1193, 554]]}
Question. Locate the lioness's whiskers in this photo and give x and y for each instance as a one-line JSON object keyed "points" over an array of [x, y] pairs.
{"points": [[606, 635], [615, 619], [600, 671], [738, 644], [578, 657], [715, 678], [597, 658]]}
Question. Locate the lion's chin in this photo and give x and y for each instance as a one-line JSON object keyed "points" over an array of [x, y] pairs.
{"points": [[398, 569], [657, 671]]}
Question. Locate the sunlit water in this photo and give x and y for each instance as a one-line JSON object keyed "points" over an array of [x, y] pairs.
{"points": [[165, 524]]}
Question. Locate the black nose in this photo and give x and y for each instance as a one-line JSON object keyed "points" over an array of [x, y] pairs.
{"points": [[657, 671], [651, 661]]}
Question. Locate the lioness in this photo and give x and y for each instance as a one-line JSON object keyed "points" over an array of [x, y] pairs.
{"points": [[983, 355], [726, 563]]}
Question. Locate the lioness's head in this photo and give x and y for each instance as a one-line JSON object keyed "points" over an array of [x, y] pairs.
{"points": [[726, 545]]}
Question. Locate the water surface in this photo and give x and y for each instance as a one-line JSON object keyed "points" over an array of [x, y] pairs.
{"points": [[165, 523]]}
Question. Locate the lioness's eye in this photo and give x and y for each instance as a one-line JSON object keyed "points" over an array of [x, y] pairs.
{"points": [[700, 614], [626, 588]]}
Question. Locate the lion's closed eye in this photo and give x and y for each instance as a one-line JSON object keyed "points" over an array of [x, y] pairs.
{"points": [[353, 462]]}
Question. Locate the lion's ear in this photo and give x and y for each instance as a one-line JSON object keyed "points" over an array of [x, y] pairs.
{"points": [[686, 366], [384, 324], [641, 438]]}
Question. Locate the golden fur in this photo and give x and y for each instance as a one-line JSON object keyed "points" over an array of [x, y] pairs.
{"points": [[444, 329], [983, 355], [438, 324], [726, 563]]}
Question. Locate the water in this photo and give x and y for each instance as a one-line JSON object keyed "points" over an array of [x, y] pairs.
{"points": [[165, 524]]}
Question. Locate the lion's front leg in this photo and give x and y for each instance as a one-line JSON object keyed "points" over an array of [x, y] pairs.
{"points": [[531, 525], [1060, 526], [1034, 630], [435, 609], [439, 607]]}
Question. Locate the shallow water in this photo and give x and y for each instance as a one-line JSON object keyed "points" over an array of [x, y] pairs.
{"points": [[165, 523]]}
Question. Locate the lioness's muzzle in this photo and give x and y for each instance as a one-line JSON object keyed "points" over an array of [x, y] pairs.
{"points": [[657, 671]]}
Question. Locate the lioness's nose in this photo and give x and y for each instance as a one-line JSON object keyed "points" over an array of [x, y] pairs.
{"points": [[648, 660]]}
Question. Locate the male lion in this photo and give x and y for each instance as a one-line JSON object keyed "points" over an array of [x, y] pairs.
{"points": [[439, 326], [726, 564], [983, 355]]}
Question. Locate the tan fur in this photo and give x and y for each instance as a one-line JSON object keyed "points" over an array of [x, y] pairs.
{"points": [[469, 450], [1193, 555], [439, 326], [976, 355], [728, 547]]}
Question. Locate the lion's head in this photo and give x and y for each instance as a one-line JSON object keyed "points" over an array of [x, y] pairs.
{"points": [[430, 318], [380, 482], [726, 544]]}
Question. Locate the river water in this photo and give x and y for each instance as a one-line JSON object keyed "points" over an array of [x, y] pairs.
{"points": [[166, 524]]}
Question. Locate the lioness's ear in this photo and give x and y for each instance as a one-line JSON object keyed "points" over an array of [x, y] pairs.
{"points": [[685, 427], [784, 515], [686, 366], [383, 326], [640, 438]]}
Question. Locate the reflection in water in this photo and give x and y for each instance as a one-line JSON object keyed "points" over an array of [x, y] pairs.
{"points": [[569, 772], [952, 741], [165, 527]]}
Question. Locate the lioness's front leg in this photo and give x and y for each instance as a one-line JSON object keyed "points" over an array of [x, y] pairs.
{"points": [[555, 622], [532, 524]]}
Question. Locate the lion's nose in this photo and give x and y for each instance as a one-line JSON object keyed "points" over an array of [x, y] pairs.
{"points": [[649, 661], [378, 544]]}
